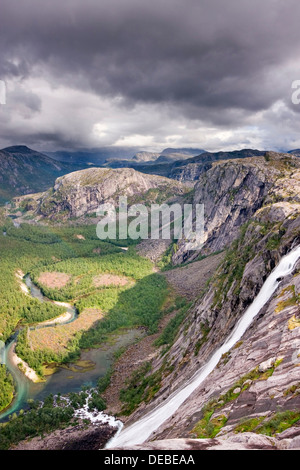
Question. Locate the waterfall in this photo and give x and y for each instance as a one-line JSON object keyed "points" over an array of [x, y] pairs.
{"points": [[138, 432]]}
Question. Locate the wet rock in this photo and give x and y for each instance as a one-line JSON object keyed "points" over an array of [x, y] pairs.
{"points": [[80, 437]]}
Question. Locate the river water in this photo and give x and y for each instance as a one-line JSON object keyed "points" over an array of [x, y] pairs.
{"points": [[142, 429], [64, 379]]}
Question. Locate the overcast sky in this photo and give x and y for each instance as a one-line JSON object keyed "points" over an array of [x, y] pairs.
{"points": [[213, 74]]}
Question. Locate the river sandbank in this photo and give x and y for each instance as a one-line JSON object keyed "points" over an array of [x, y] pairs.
{"points": [[24, 367], [20, 275]]}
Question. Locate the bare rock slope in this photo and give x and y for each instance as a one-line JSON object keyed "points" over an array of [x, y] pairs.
{"points": [[252, 397], [233, 191], [80, 193]]}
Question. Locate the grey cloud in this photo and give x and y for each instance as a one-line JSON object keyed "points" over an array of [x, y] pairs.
{"points": [[210, 60], [27, 99]]}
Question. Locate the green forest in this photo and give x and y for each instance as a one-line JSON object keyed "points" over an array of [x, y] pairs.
{"points": [[6, 387], [78, 252]]}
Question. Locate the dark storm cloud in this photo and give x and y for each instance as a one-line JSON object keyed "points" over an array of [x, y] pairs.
{"points": [[207, 58]]}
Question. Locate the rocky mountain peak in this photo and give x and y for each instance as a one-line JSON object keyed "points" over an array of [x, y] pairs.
{"points": [[81, 192]]}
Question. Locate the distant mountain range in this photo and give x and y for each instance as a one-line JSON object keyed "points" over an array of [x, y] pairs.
{"points": [[96, 157], [186, 168], [167, 155], [24, 171], [295, 152], [120, 156]]}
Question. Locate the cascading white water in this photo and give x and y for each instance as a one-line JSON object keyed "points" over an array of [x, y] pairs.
{"points": [[138, 432]]}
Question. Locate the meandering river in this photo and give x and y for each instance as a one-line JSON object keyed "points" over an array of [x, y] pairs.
{"points": [[64, 379]]}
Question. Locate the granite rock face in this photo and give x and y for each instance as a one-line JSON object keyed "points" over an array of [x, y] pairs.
{"points": [[233, 191], [245, 441], [259, 378], [81, 192], [261, 372]]}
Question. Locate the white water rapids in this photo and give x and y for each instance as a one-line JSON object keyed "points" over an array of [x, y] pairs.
{"points": [[138, 432]]}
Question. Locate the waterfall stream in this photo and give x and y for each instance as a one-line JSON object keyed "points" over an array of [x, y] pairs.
{"points": [[141, 430]]}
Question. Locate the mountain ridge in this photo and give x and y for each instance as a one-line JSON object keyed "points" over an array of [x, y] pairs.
{"points": [[25, 171], [187, 169], [80, 193], [258, 377]]}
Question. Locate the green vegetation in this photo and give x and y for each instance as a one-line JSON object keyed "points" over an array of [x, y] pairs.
{"points": [[293, 390], [141, 387], [43, 417], [6, 387], [239, 254], [140, 305], [274, 241], [78, 252], [233, 267], [232, 193], [166, 261], [208, 426], [144, 383], [169, 333], [23, 249], [205, 329], [156, 195], [291, 301], [278, 423], [91, 397], [54, 413], [104, 381], [33, 234], [83, 270], [249, 425], [36, 359], [36, 422], [96, 402]]}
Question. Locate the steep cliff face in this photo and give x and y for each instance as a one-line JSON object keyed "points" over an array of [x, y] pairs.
{"points": [[233, 191], [182, 164], [191, 169], [81, 192], [255, 386]]}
